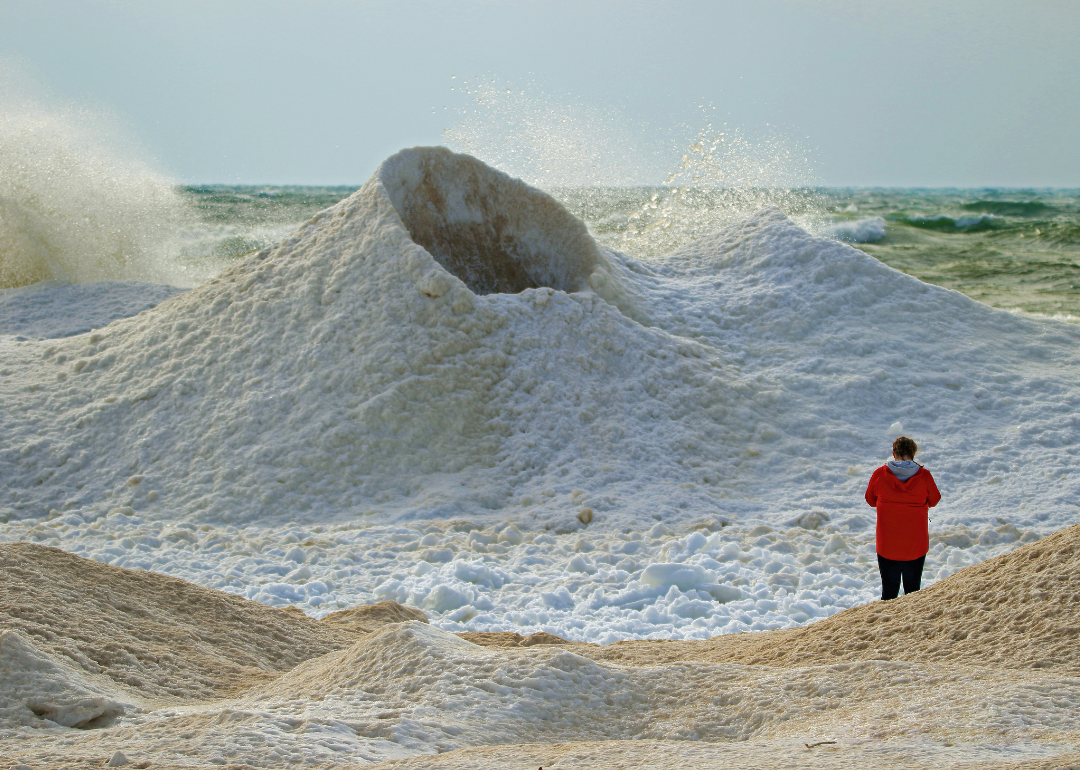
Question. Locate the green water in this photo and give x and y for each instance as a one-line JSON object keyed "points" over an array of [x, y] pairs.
{"points": [[1016, 249]]}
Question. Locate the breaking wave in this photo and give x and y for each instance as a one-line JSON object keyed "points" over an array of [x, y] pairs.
{"points": [[73, 209], [869, 230], [963, 224]]}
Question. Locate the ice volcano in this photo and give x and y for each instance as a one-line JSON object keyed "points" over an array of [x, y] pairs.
{"points": [[449, 342], [414, 342]]}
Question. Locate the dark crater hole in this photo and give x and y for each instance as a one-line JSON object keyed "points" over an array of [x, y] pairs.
{"points": [[495, 233]]}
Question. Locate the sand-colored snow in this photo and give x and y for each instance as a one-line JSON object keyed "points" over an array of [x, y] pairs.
{"points": [[981, 670], [162, 637]]}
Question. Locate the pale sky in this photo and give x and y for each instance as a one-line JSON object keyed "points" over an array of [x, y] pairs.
{"points": [[906, 93]]}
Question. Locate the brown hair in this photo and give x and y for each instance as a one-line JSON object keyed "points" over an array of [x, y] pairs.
{"points": [[905, 447]]}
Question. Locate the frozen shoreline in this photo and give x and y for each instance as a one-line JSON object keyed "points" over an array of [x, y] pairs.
{"points": [[99, 660], [357, 414]]}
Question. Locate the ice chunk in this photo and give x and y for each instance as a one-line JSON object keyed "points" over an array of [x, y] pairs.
{"points": [[35, 683], [687, 577]]}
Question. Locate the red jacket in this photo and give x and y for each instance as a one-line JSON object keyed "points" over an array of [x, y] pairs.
{"points": [[902, 508]]}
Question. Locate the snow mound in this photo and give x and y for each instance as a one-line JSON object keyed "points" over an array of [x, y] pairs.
{"points": [[150, 634], [369, 617]]}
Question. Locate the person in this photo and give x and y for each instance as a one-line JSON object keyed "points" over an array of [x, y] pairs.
{"points": [[903, 492]]}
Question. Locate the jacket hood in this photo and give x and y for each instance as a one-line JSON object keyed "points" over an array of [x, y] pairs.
{"points": [[903, 469]]}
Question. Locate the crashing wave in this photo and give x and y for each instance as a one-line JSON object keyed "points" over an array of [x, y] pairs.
{"points": [[869, 230], [962, 224], [72, 210]]}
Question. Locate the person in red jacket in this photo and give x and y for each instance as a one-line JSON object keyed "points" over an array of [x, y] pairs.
{"points": [[903, 493]]}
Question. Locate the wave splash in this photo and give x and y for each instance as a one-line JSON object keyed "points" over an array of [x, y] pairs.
{"points": [[969, 223], [651, 199], [75, 210], [867, 230]]}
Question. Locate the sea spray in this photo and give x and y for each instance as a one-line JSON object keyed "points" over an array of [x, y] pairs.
{"points": [[724, 175], [549, 142], [74, 208], [643, 196]]}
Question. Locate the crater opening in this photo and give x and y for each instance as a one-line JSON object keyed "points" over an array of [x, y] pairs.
{"points": [[495, 233]]}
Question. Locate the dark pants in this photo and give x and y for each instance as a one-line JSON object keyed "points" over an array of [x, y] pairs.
{"points": [[892, 571]]}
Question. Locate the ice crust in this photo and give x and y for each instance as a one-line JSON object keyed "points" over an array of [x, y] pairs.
{"points": [[980, 670]]}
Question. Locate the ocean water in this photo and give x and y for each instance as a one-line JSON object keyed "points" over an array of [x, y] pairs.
{"points": [[651, 413], [1015, 249]]}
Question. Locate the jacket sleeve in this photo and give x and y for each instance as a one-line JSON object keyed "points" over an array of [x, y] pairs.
{"points": [[933, 497], [871, 492]]}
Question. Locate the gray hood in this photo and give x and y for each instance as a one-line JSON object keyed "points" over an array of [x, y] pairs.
{"points": [[903, 469]]}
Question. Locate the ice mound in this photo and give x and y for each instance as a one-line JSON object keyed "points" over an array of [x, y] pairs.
{"points": [[448, 692], [151, 634], [369, 617], [354, 370], [346, 370]]}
